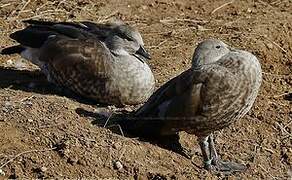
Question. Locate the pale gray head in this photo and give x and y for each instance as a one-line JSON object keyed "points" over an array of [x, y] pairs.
{"points": [[125, 40], [209, 51]]}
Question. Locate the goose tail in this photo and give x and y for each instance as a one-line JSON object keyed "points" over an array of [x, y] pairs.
{"points": [[18, 49]]}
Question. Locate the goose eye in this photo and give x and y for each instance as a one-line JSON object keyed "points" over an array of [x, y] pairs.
{"points": [[218, 47]]}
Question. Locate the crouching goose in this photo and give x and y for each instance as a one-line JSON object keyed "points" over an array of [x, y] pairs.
{"points": [[103, 62], [219, 88]]}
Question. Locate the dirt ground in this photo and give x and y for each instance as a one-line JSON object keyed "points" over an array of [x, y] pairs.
{"points": [[47, 134]]}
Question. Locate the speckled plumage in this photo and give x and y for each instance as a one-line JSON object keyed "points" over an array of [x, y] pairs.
{"points": [[219, 88], [103, 62]]}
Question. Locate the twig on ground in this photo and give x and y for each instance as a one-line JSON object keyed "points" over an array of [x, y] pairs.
{"points": [[269, 150], [255, 152], [288, 124], [283, 130], [265, 37], [23, 7], [222, 6], [275, 44], [277, 75], [176, 46], [43, 5], [157, 46], [157, 33], [27, 98], [172, 32], [25, 152], [60, 3], [8, 4], [122, 153], [266, 171], [283, 94], [170, 21], [275, 2], [262, 36], [278, 2], [2, 155], [104, 19]]}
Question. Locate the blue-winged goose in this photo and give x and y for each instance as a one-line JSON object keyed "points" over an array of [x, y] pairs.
{"points": [[219, 88], [103, 62]]}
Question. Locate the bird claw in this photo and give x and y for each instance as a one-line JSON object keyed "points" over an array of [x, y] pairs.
{"points": [[226, 168]]}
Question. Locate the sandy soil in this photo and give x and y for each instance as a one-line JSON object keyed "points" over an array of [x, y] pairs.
{"points": [[48, 134]]}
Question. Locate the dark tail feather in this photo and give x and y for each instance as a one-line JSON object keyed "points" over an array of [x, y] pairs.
{"points": [[36, 35], [32, 36], [12, 50], [141, 127], [71, 29], [49, 23]]}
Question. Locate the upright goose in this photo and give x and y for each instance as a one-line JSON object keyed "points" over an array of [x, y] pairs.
{"points": [[219, 88], [103, 62]]}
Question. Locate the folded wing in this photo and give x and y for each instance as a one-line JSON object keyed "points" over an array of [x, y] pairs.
{"points": [[82, 65]]}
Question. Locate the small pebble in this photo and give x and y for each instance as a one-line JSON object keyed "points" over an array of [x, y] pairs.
{"points": [[118, 165], [201, 28], [30, 120], [7, 104], [9, 62], [44, 169], [2, 173], [72, 160], [144, 7], [81, 162]]}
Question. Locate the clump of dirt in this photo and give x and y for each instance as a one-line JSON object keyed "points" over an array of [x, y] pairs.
{"points": [[47, 134]]}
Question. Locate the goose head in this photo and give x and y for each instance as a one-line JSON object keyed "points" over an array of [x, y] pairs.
{"points": [[125, 40], [209, 51]]}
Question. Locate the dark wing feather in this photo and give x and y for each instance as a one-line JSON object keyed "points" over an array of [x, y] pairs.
{"points": [[85, 25], [38, 32], [98, 27], [36, 36], [169, 90], [49, 23], [101, 31]]}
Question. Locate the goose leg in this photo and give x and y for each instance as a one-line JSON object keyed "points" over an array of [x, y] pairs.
{"points": [[204, 144], [220, 166], [213, 152]]}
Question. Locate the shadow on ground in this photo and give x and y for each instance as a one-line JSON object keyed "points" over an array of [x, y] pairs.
{"points": [[106, 119], [35, 81]]}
